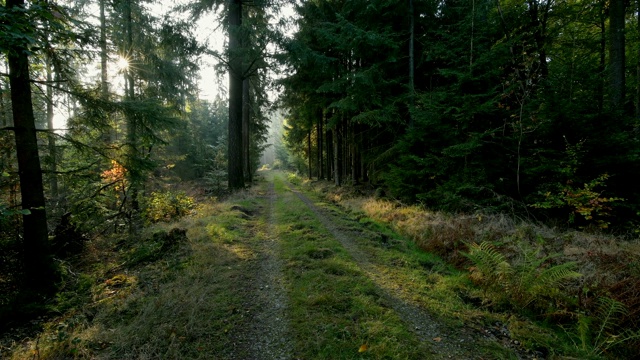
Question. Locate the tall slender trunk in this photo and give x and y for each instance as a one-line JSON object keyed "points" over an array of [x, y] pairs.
{"points": [[132, 136], [104, 84], [539, 28], [411, 62], [337, 155], [245, 130], [473, 29], [638, 63], [51, 139], [329, 154], [37, 257], [234, 161], [319, 138], [603, 56], [309, 158], [617, 54], [108, 135], [353, 149]]}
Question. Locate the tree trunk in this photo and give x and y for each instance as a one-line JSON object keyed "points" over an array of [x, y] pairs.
{"points": [[309, 159], [617, 54], [245, 130], [539, 28], [104, 85], [234, 161], [603, 56], [108, 136], [319, 138], [132, 137], [412, 62], [39, 267], [638, 63], [329, 154], [51, 140], [337, 156]]}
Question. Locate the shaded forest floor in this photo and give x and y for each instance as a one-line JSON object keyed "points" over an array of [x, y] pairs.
{"points": [[288, 270]]}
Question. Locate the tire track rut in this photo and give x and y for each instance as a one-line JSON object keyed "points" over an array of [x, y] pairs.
{"points": [[269, 335]]}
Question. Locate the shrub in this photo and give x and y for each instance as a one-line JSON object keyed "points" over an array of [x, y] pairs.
{"points": [[166, 206], [294, 179]]}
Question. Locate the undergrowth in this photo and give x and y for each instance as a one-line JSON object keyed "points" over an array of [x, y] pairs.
{"points": [[170, 292], [566, 293]]}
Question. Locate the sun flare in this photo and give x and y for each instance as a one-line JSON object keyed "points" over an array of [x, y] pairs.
{"points": [[122, 63]]}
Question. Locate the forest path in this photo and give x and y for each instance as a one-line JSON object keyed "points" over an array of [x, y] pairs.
{"points": [[435, 339], [269, 336], [272, 273]]}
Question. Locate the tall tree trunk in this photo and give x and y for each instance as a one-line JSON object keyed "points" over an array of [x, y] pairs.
{"points": [[309, 158], [108, 135], [337, 157], [245, 130], [37, 257], [104, 85], [51, 140], [411, 62], [539, 28], [603, 55], [638, 63], [353, 149], [330, 162], [234, 161], [473, 29], [132, 137], [617, 54], [344, 148], [320, 119]]}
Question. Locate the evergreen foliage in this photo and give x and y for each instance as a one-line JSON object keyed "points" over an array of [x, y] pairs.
{"points": [[500, 91]]}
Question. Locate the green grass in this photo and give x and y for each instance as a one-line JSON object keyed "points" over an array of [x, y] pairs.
{"points": [[185, 303], [335, 307]]}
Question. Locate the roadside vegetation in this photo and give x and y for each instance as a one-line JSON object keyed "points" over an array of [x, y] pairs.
{"points": [[175, 291], [559, 293]]}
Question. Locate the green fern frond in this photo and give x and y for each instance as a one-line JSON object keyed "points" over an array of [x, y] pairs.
{"points": [[609, 312], [553, 276], [488, 261], [584, 331]]}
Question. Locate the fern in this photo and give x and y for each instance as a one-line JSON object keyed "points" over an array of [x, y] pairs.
{"points": [[491, 270], [584, 330], [607, 315], [488, 262], [609, 311], [522, 285]]}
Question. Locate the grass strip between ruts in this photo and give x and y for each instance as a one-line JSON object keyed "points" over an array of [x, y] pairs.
{"points": [[336, 311]]}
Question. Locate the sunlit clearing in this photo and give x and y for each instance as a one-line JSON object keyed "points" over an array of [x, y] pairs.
{"points": [[122, 64]]}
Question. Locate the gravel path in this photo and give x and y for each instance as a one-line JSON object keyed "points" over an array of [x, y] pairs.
{"points": [[268, 336]]}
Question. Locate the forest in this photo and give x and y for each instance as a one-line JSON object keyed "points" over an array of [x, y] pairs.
{"points": [[447, 114]]}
